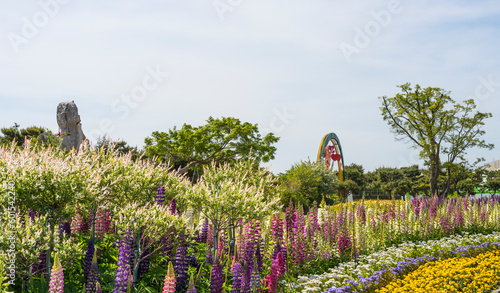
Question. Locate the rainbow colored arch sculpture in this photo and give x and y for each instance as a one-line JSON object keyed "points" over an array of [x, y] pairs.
{"points": [[330, 152]]}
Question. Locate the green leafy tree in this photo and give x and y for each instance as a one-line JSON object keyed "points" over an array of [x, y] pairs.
{"points": [[34, 133], [437, 125], [346, 187], [228, 193], [220, 140], [388, 180], [120, 147], [356, 173], [307, 182], [493, 181], [148, 224]]}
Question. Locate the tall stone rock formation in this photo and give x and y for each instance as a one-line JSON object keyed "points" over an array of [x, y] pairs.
{"points": [[70, 125]]}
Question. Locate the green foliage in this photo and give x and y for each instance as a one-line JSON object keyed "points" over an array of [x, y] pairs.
{"points": [[149, 220], [227, 193], [30, 239], [437, 125], [119, 147], [493, 181], [399, 182], [33, 132], [307, 182], [220, 140], [355, 173]]}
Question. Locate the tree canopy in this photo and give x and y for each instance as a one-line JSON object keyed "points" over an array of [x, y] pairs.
{"points": [[219, 140], [306, 182], [433, 122], [32, 132]]}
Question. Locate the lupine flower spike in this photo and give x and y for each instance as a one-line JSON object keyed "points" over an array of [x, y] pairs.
{"points": [[217, 278], [169, 285], [191, 288], [93, 277], [88, 257], [123, 267], [98, 288], [160, 195], [56, 277]]}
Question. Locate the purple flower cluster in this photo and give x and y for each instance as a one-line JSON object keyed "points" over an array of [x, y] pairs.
{"points": [[172, 208], [93, 276], [42, 262], [144, 264], [123, 266], [204, 232], [160, 195], [217, 278], [277, 229], [181, 263], [236, 278], [89, 255]]}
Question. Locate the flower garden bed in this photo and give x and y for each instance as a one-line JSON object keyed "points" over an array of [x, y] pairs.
{"points": [[116, 225]]}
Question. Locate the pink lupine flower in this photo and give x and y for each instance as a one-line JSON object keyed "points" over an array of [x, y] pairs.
{"points": [[56, 277], [169, 285]]}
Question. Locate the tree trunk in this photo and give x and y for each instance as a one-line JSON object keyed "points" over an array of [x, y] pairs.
{"points": [[435, 167]]}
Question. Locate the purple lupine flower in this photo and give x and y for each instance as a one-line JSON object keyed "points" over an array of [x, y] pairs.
{"points": [[181, 264], [217, 278], [168, 244], [209, 258], [283, 253], [236, 278], [42, 262], [93, 276], [249, 256], [245, 279], [254, 279], [89, 255], [133, 249], [144, 264], [277, 249], [56, 277], [32, 213], [123, 266], [172, 208], [258, 259], [160, 195], [277, 229], [204, 232], [193, 262], [64, 228]]}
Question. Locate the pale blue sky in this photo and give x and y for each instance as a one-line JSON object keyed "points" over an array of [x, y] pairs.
{"points": [[281, 64]]}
